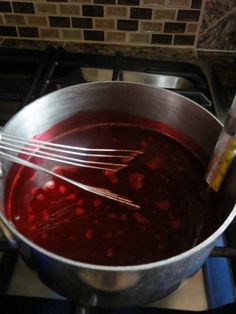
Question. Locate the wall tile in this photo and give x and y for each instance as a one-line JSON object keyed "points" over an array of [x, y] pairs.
{"points": [[82, 1], [174, 27], [104, 1], [28, 32], [71, 34], [196, 4], [186, 40], [93, 35], [116, 11], [36, 20], [141, 13], [82, 22], [104, 24], [49, 33], [161, 39], [150, 26], [164, 14], [155, 3], [127, 25], [178, 3], [129, 2], [23, 7], [92, 10], [5, 6], [59, 21], [69, 9], [191, 28], [115, 36], [188, 15], [14, 19], [57, 0], [45, 8], [8, 31], [139, 38]]}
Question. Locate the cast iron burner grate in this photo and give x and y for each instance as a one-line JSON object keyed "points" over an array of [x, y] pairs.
{"points": [[28, 74], [20, 74], [68, 69]]}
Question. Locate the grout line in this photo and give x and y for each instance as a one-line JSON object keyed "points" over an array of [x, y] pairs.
{"points": [[218, 21], [216, 50], [57, 9], [12, 9], [17, 32], [123, 44], [202, 12], [4, 20]]}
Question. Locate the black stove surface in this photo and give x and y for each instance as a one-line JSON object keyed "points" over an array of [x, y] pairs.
{"points": [[26, 75], [23, 305]]}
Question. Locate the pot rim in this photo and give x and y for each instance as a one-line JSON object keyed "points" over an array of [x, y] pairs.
{"points": [[141, 267]]}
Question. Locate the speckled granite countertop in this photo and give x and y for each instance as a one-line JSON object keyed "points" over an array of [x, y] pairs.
{"points": [[223, 66], [227, 76]]}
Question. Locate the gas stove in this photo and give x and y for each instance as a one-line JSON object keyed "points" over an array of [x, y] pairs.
{"points": [[26, 75]]}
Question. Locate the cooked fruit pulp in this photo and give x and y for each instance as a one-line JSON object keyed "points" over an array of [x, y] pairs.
{"points": [[166, 181]]}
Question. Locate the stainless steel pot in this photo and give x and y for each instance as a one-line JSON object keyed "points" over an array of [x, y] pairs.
{"points": [[106, 285]]}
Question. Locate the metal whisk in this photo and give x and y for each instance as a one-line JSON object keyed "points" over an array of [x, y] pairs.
{"points": [[54, 152]]}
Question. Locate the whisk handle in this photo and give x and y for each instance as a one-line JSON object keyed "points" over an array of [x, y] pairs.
{"points": [[224, 151]]}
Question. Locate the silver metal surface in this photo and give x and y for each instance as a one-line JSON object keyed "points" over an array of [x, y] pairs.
{"points": [[108, 285], [191, 294], [96, 74], [158, 80], [1, 171]]}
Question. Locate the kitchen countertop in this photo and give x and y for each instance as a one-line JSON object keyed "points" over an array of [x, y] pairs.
{"points": [[223, 66], [227, 77]]}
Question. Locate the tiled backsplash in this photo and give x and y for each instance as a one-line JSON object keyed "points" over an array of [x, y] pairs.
{"points": [[163, 23], [135, 22]]}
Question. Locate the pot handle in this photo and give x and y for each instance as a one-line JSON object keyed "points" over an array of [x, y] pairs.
{"points": [[219, 251]]}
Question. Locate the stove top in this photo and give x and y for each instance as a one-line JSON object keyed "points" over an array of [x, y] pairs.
{"points": [[27, 75]]}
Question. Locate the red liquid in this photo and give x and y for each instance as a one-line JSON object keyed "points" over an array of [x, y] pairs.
{"points": [[167, 181]]}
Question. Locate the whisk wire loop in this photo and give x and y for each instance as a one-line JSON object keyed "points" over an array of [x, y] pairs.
{"points": [[59, 153]]}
